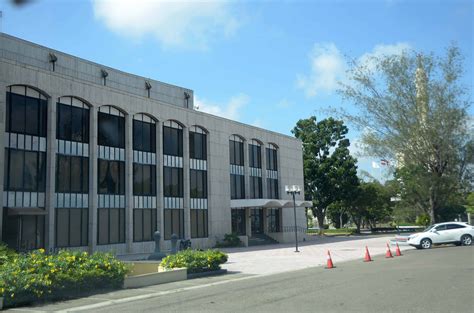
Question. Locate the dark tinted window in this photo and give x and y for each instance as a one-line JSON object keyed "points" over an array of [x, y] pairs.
{"points": [[144, 136], [25, 170], [111, 130], [72, 174], [111, 226], [198, 182], [26, 115], [238, 221], [173, 223], [173, 181], [197, 146], [256, 189], [144, 180], [144, 224], [236, 150], [199, 228], [111, 177], [440, 227], [237, 186], [71, 227], [172, 141], [455, 226], [272, 188], [255, 158], [272, 163]]}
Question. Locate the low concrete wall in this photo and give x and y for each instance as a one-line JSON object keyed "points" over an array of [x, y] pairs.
{"points": [[156, 278], [143, 267]]}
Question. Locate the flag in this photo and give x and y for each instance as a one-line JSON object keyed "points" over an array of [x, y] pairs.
{"points": [[375, 164], [384, 162]]}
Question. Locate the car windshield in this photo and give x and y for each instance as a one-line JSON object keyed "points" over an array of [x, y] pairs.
{"points": [[428, 228]]}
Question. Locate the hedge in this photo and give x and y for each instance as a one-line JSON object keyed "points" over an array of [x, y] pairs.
{"points": [[195, 261], [36, 276]]}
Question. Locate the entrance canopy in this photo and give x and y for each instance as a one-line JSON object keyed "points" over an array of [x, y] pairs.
{"points": [[267, 203]]}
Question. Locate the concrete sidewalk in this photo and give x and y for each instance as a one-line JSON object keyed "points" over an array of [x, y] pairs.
{"points": [[281, 258]]}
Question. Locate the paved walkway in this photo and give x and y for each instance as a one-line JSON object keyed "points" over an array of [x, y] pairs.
{"points": [[280, 258]]}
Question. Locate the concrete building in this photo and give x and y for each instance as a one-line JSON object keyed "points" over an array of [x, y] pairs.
{"points": [[98, 159]]}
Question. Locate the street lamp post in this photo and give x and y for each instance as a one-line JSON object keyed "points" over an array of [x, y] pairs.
{"points": [[293, 190]]}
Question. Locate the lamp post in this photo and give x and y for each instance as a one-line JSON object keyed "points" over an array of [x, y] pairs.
{"points": [[293, 190]]}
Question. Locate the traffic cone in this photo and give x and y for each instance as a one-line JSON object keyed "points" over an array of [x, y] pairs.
{"points": [[389, 253], [329, 264], [398, 252], [367, 255]]}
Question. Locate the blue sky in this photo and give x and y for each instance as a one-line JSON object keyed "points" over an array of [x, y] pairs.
{"points": [[266, 63]]}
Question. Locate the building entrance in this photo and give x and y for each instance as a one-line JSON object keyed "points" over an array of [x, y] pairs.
{"points": [[256, 217]]}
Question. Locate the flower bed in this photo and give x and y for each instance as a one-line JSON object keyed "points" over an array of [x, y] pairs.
{"points": [[36, 276], [195, 261]]}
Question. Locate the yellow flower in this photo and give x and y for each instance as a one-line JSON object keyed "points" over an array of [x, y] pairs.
{"points": [[41, 250]]}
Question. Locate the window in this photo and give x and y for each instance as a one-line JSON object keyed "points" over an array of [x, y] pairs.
{"points": [[198, 181], [144, 136], [197, 146], [172, 141], [174, 223], [26, 115], [144, 224], [274, 220], [199, 228], [173, 182], [73, 123], [237, 186], [256, 190], [111, 226], [255, 157], [25, 170], [236, 150], [144, 180], [440, 227], [272, 189], [455, 226], [272, 159], [71, 227], [238, 222], [72, 174], [111, 130], [24, 232], [111, 177]]}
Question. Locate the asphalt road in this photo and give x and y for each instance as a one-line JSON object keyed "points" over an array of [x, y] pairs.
{"points": [[436, 280]]}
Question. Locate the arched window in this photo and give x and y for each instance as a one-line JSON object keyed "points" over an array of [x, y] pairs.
{"points": [[272, 171], [255, 164], [237, 176]]}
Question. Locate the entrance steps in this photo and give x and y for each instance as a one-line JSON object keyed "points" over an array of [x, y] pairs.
{"points": [[261, 239]]}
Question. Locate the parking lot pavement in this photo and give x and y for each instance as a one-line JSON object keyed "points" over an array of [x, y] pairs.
{"points": [[280, 258]]}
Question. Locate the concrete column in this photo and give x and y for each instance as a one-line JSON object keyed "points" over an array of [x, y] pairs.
{"points": [[159, 182], [187, 187], [129, 181], [248, 224], [93, 177], [51, 173], [264, 172], [3, 103], [246, 170]]}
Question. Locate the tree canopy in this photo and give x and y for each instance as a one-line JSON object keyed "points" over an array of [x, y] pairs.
{"points": [[412, 109]]}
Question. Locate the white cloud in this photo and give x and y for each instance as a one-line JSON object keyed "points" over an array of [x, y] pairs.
{"points": [[230, 110], [328, 66], [180, 23], [383, 50]]}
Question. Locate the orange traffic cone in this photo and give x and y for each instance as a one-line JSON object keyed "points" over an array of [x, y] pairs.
{"points": [[389, 253], [367, 255], [329, 264], [398, 252]]}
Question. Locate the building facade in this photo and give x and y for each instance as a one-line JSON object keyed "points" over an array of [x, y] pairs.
{"points": [[97, 159]]}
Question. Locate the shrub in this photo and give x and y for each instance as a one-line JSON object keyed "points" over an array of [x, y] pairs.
{"points": [[230, 240], [423, 220], [37, 276], [6, 253], [195, 261]]}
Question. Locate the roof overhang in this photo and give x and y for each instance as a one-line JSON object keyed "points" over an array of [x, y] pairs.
{"points": [[268, 203], [26, 211]]}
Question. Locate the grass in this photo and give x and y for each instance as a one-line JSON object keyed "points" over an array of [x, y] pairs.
{"points": [[334, 232]]}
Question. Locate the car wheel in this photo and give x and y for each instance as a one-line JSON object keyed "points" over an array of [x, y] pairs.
{"points": [[425, 243], [466, 240]]}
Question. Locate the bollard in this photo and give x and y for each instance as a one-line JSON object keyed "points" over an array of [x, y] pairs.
{"points": [[157, 254], [174, 243]]}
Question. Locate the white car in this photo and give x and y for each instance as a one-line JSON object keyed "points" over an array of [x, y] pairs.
{"points": [[452, 232]]}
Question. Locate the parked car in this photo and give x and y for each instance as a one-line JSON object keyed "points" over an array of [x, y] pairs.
{"points": [[452, 232]]}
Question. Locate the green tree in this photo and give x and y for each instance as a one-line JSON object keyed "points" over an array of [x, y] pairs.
{"points": [[330, 172], [413, 109], [337, 213]]}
